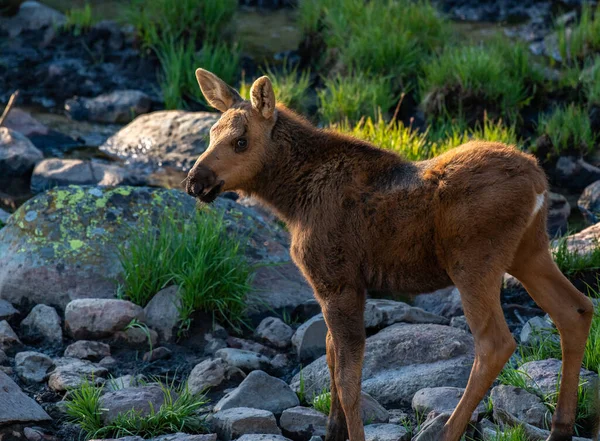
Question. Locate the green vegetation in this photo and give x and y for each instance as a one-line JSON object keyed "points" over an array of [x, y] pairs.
{"points": [[571, 262], [289, 85], [569, 129], [178, 413], [464, 74], [179, 61], [583, 39], [208, 266], [415, 145], [136, 324], [79, 19], [590, 79], [510, 434], [353, 97], [155, 20], [322, 402]]}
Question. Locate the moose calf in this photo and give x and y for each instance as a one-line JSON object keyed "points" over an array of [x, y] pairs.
{"points": [[364, 218]]}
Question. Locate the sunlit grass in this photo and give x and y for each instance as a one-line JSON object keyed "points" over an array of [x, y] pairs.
{"points": [[583, 39], [569, 129], [79, 20]]}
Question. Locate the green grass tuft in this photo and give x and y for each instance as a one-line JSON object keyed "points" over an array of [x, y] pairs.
{"points": [[571, 262], [158, 19], [590, 79], [79, 20], [353, 97], [581, 40], [569, 129], [510, 434], [197, 255], [322, 402], [178, 413], [492, 76]]}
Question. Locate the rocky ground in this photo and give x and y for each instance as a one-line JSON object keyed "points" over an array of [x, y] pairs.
{"points": [[61, 323]]}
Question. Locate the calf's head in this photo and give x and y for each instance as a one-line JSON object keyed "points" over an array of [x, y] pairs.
{"points": [[238, 140]]}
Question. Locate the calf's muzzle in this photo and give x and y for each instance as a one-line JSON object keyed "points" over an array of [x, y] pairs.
{"points": [[202, 182]]}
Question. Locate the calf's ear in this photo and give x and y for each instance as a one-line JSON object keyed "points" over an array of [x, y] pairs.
{"points": [[263, 97], [217, 93]]}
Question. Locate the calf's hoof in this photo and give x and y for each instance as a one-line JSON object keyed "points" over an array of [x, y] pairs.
{"points": [[433, 430]]}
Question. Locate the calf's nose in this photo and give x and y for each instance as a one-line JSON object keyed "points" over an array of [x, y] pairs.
{"points": [[199, 179]]}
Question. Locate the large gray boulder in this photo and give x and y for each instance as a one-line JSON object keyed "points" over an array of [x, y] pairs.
{"points": [[386, 432], [172, 138], [232, 423], [441, 400], [55, 172], [260, 391], [16, 407], [402, 359], [119, 106], [100, 318], [63, 245]]}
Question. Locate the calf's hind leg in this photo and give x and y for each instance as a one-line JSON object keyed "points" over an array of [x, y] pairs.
{"points": [[494, 344], [336, 424], [571, 312]]}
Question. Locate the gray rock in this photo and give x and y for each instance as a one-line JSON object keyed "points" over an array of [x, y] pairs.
{"points": [[33, 367], [155, 354], [172, 138], [212, 374], [380, 313], [538, 329], [301, 423], [3, 357], [543, 375], [250, 345], [309, 338], [108, 363], [280, 362], [42, 324], [32, 15], [559, 211], [8, 338], [398, 416], [257, 437], [521, 404], [232, 423], [71, 372], [445, 302], [119, 106], [574, 173], [88, 350], [247, 361], [7, 310], [441, 400], [15, 406], [186, 437], [53, 269], [386, 432], [460, 322], [18, 156], [589, 203], [583, 242], [123, 382], [4, 215], [371, 411], [275, 332], [55, 172], [139, 399], [162, 313], [213, 345], [135, 338], [260, 391], [402, 359], [100, 318]]}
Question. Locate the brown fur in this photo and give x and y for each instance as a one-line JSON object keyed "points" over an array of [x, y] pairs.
{"points": [[364, 218]]}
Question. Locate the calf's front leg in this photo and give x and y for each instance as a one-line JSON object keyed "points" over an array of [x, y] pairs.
{"points": [[344, 314]]}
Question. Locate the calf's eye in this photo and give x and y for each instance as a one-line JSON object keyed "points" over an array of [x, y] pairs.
{"points": [[241, 145]]}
